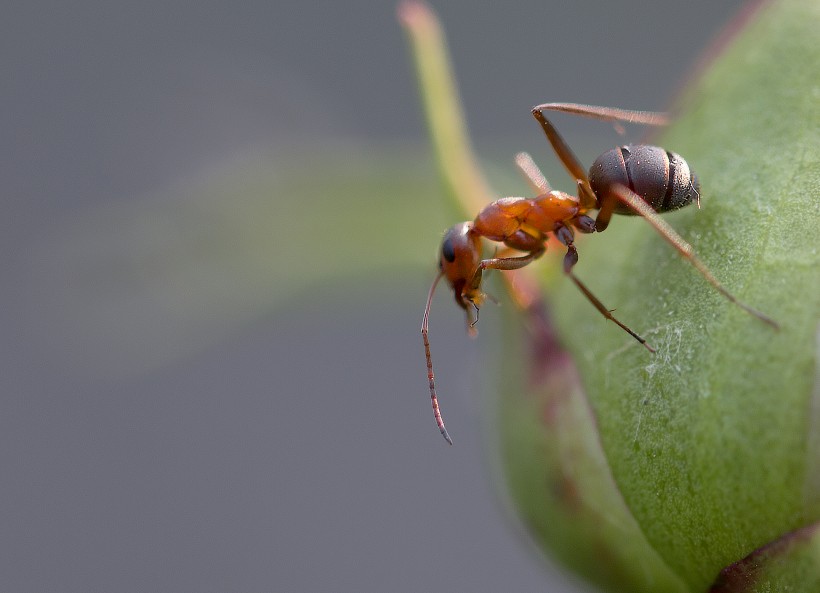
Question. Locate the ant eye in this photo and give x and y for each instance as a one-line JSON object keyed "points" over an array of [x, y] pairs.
{"points": [[448, 252]]}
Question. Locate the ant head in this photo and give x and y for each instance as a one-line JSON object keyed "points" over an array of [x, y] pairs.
{"points": [[459, 263], [459, 259]]}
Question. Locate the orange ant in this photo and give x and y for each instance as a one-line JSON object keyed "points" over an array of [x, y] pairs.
{"points": [[636, 179]]}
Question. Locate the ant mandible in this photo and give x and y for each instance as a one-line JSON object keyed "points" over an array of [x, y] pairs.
{"points": [[635, 179]]}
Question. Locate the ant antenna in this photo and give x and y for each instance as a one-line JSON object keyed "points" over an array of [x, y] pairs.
{"points": [[430, 375]]}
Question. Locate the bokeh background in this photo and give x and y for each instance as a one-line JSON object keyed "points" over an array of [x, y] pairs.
{"points": [[219, 227]]}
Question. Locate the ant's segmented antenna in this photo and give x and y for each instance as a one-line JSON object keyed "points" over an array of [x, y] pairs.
{"points": [[430, 375]]}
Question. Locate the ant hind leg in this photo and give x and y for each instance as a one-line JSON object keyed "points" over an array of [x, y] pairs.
{"points": [[613, 114], [564, 152], [672, 237]]}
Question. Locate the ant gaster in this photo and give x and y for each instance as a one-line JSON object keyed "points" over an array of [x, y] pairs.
{"points": [[635, 179]]}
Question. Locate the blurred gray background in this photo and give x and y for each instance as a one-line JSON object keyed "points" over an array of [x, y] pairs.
{"points": [[187, 410]]}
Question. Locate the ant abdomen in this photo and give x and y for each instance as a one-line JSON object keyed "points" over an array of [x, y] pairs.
{"points": [[660, 177]]}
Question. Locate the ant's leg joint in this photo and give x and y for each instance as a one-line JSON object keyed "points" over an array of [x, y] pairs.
{"points": [[564, 234], [584, 223], [570, 259]]}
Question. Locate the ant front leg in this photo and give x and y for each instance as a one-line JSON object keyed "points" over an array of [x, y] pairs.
{"points": [[564, 234], [504, 263], [497, 263], [672, 237]]}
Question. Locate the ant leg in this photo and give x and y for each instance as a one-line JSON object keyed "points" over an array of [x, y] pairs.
{"points": [[510, 263], [606, 312], [649, 118], [672, 237], [564, 234], [496, 263], [564, 152], [504, 263], [605, 213], [532, 173], [568, 158]]}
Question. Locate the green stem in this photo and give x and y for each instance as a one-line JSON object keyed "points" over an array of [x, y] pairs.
{"points": [[456, 160]]}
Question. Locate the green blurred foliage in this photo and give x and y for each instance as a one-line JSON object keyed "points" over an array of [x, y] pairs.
{"points": [[141, 283]]}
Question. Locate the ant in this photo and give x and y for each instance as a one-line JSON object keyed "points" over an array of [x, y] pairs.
{"points": [[635, 179]]}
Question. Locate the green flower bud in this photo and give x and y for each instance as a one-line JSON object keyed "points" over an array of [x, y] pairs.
{"points": [[696, 468]]}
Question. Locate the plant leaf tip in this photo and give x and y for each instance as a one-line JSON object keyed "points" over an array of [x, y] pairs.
{"points": [[411, 13]]}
